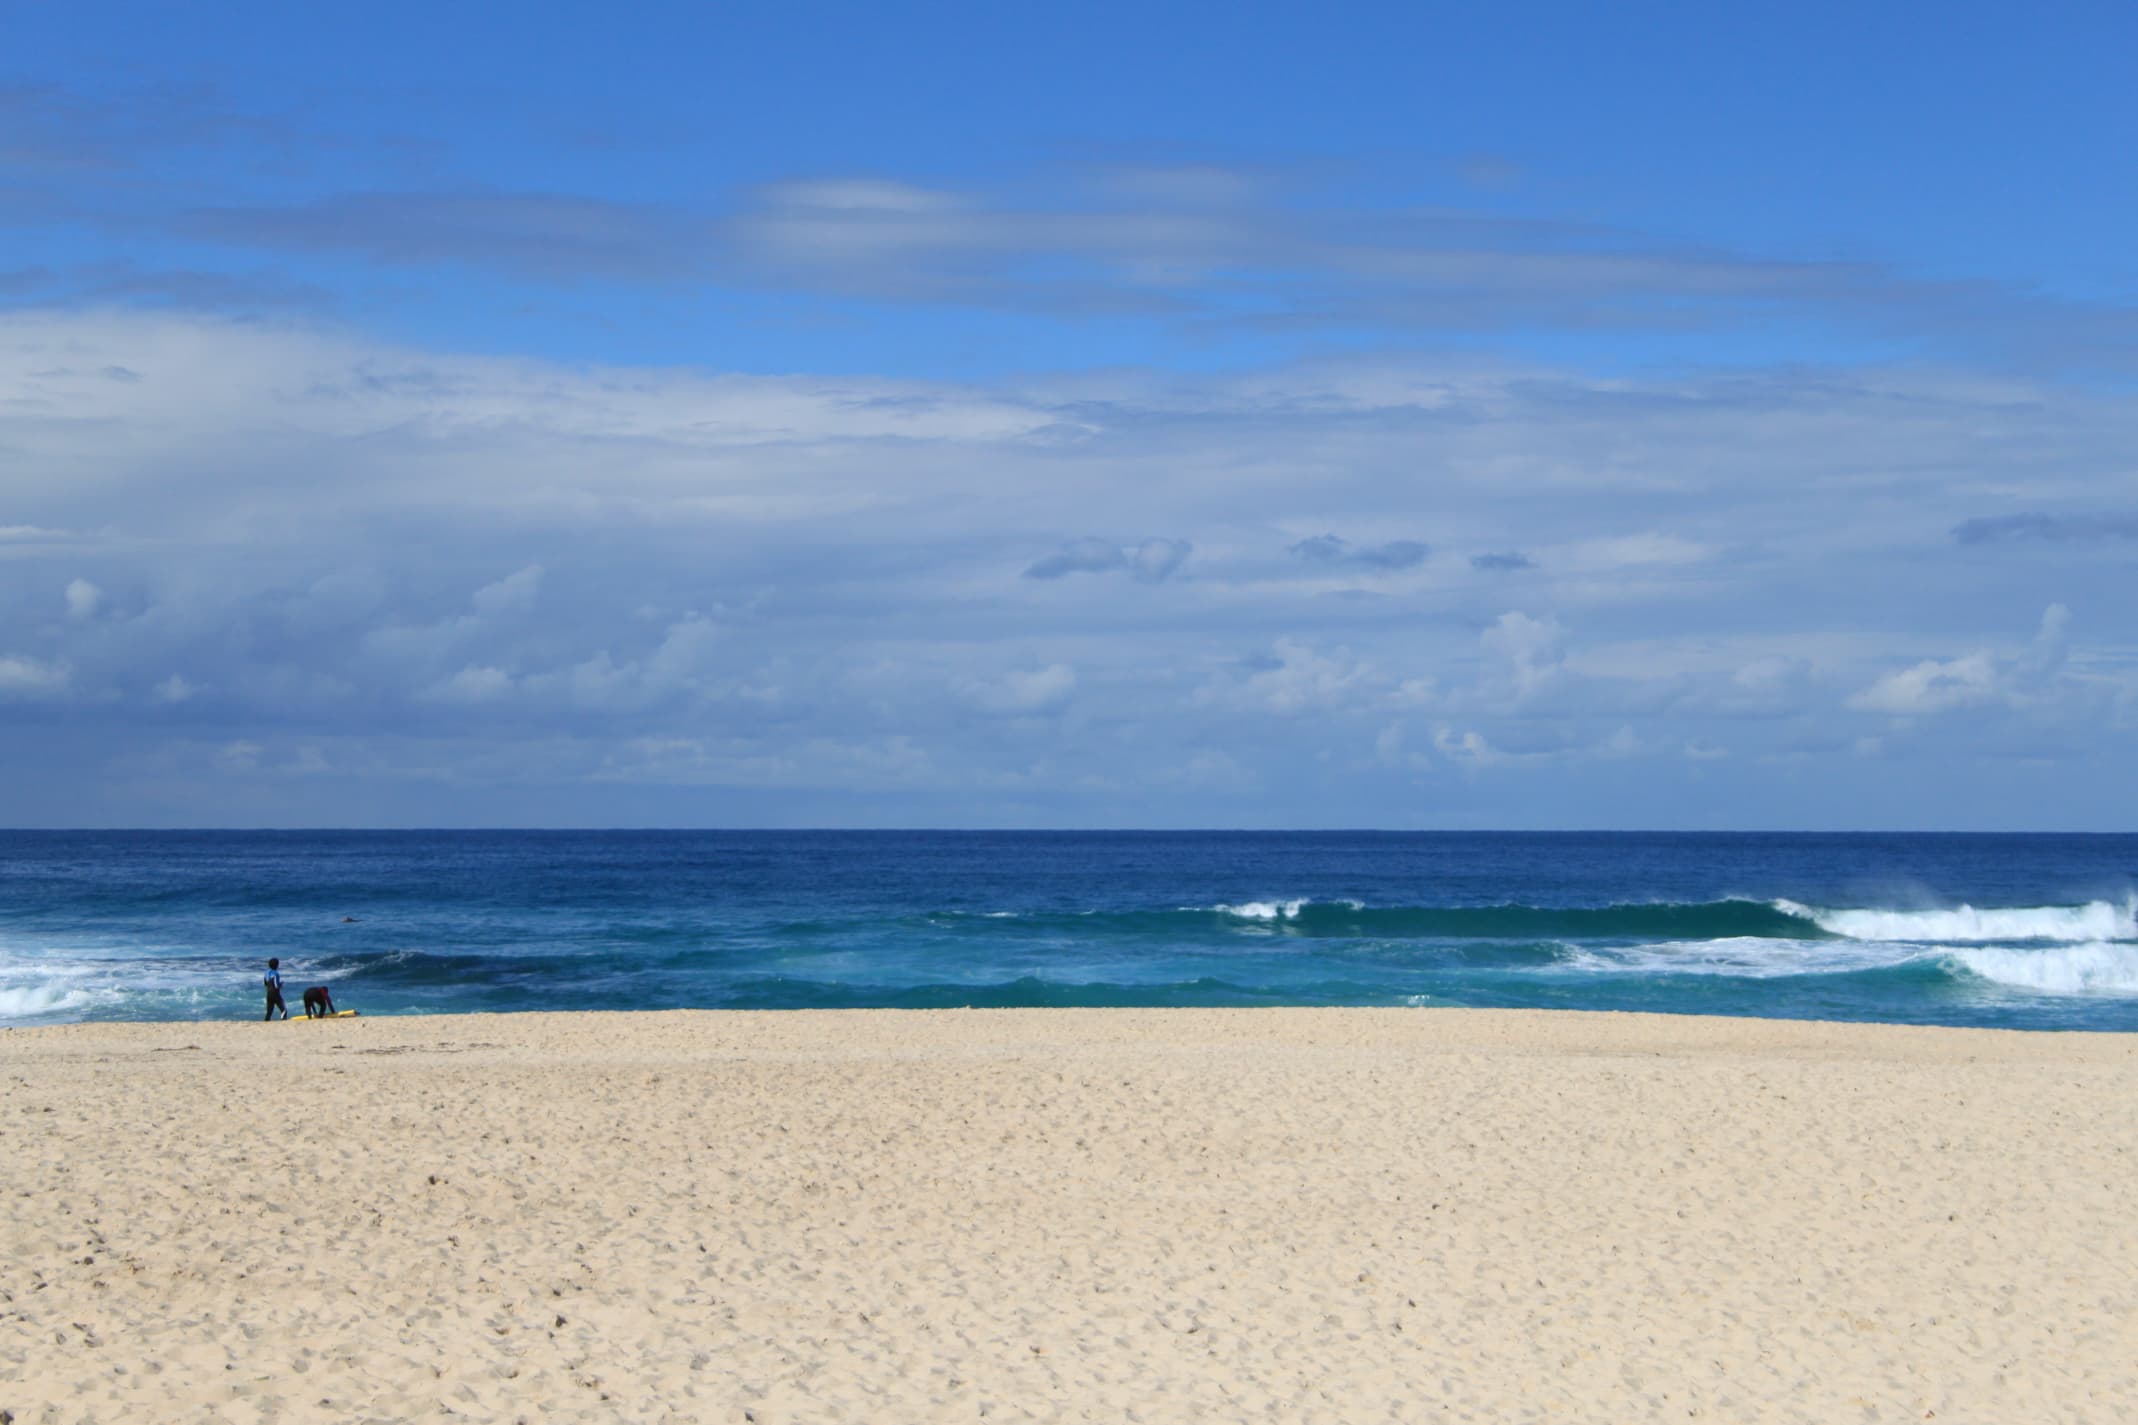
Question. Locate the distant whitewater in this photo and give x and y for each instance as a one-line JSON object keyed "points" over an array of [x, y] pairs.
{"points": [[2022, 931]]}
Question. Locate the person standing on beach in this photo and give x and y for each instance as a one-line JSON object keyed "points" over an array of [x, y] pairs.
{"points": [[273, 981]]}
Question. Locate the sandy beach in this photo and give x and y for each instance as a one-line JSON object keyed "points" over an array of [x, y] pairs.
{"points": [[1284, 1215]]}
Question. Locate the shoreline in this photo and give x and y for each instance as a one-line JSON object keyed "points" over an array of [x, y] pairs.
{"points": [[1450, 1011], [1645, 1019], [1257, 1213]]}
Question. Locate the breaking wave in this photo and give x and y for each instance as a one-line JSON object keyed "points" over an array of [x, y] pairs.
{"points": [[2092, 968], [1673, 920], [1967, 925], [1741, 957], [29, 1001]]}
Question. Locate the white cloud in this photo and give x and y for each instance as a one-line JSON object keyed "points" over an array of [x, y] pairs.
{"points": [[2052, 642], [1024, 692], [1468, 746], [1212, 769], [1151, 561], [858, 195], [889, 762], [471, 685], [83, 599], [515, 593], [1154, 559], [1631, 551], [1304, 680], [1977, 678], [1529, 646], [686, 648], [481, 533], [1770, 674], [25, 677], [679, 667], [1932, 686], [1391, 749]]}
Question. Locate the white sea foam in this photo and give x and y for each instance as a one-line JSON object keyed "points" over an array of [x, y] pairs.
{"points": [[51, 977], [1967, 925], [1264, 910], [1280, 910], [2093, 968], [1741, 957], [29, 1001]]}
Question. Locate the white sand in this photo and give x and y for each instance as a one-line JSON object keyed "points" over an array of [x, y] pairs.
{"points": [[1285, 1215]]}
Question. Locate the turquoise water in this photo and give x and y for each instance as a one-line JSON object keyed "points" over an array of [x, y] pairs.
{"points": [[2022, 931]]}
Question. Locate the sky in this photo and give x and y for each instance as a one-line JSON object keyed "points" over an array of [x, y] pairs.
{"points": [[1156, 415]]}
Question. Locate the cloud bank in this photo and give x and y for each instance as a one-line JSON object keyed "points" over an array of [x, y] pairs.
{"points": [[279, 572]]}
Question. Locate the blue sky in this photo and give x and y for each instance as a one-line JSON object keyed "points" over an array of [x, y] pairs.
{"points": [[1526, 416]]}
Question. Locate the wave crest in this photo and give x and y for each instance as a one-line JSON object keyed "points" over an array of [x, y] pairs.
{"points": [[1276, 910], [1698, 920], [28, 1001], [1966, 925], [2093, 968], [1745, 957]]}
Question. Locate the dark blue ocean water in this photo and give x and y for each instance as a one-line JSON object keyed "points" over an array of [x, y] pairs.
{"points": [[2024, 931]]}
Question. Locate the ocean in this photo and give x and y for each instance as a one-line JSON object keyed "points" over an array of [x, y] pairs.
{"points": [[2019, 931]]}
